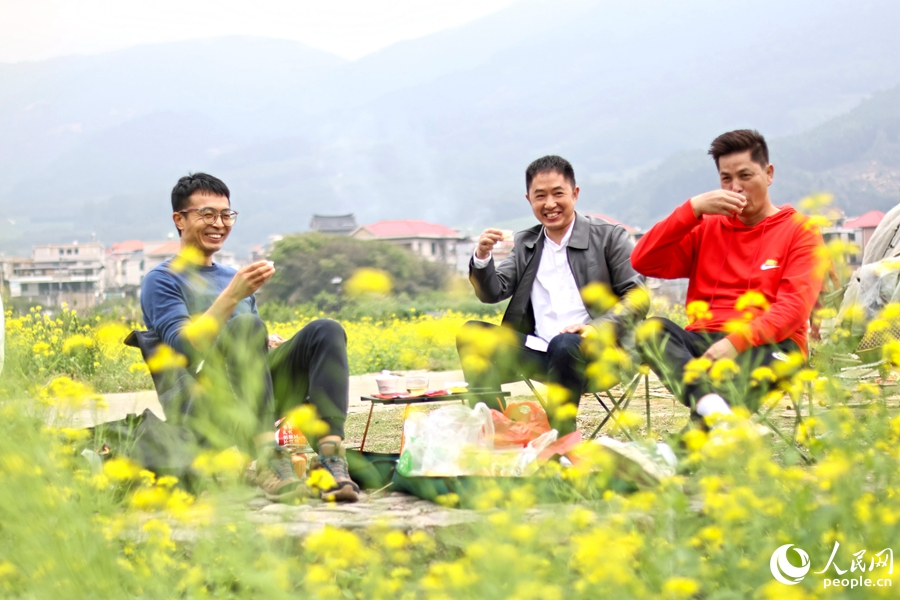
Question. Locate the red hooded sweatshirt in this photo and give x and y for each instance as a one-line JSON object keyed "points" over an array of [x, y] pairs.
{"points": [[780, 258]]}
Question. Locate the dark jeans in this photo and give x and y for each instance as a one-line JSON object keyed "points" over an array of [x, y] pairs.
{"points": [[493, 355], [246, 387], [672, 348]]}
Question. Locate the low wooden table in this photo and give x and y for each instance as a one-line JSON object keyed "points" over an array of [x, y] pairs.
{"points": [[464, 397]]}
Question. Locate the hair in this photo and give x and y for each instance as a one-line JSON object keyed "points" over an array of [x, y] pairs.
{"points": [[196, 182], [741, 140], [550, 164]]}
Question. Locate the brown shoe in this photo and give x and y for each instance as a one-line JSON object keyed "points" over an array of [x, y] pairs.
{"points": [[275, 476], [332, 459]]}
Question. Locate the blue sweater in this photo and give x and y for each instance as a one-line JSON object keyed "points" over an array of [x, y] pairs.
{"points": [[170, 299]]}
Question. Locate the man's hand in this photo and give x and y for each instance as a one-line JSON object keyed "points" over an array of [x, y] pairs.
{"points": [[721, 349], [249, 279], [275, 340], [486, 243], [582, 330], [718, 202]]}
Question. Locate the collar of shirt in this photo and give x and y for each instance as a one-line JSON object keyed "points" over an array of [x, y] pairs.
{"points": [[555, 298], [563, 242]]}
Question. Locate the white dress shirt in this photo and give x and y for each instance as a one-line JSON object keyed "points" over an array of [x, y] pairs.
{"points": [[555, 297]]}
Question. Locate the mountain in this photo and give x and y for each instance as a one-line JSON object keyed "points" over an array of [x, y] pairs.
{"points": [[442, 127], [51, 107], [855, 156]]}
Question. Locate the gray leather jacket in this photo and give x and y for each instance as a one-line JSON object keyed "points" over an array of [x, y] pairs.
{"points": [[598, 252]]}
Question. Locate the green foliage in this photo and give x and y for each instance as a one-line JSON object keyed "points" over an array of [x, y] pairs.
{"points": [[307, 263], [41, 344], [401, 306], [856, 156]]}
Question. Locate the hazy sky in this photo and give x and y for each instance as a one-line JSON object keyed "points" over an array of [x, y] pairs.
{"points": [[40, 29]]}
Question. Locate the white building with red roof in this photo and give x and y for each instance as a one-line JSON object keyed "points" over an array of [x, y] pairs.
{"points": [[158, 252], [855, 233], [57, 273], [127, 262], [633, 232], [434, 242], [124, 265], [867, 224]]}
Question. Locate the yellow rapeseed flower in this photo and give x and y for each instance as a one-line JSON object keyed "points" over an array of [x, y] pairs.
{"points": [[337, 548], [306, 419], [77, 342], [876, 326], [698, 310], [814, 203], [65, 393], [188, 257], [166, 358], [202, 331], [696, 368], [723, 369], [41, 349], [320, 479], [598, 296], [752, 299], [680, 587], [121, 469], [761, 374], [367, 281], [648, 330], [149, 498]]}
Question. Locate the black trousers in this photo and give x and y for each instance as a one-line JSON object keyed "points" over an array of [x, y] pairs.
{"points": [[492, 355], [245, 386], [672, 348]]}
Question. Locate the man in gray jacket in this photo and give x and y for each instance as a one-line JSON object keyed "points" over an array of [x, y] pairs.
{"points": [[548, 318]]}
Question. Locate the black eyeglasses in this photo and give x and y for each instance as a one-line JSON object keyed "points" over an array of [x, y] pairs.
{"points": [[210, 215]]}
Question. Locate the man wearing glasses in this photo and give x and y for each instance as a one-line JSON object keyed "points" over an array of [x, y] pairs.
{"points": [[207, 312]]}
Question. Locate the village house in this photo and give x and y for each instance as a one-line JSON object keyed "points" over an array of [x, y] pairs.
{"points": [[854, 232], [437, 243], [57, 273], [333, 224]]}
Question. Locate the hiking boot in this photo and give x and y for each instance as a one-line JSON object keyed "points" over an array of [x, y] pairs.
{"points": [[645, 466], [275, 476], [332, 459]]}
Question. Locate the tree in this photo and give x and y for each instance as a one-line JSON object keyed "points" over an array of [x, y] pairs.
{"points": [[307, 263]]}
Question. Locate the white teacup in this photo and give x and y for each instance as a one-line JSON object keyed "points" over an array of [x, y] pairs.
{"points": [[388, 384]]}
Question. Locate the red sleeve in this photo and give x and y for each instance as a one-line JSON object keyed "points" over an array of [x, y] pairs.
{"points": [[667, 250], [797, 293]]}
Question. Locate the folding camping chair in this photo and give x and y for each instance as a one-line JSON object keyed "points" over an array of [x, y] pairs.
{"points": [[618, 405], [174, 386]]}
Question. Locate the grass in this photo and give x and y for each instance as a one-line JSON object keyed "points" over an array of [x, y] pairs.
{"points": [[667, 418]]}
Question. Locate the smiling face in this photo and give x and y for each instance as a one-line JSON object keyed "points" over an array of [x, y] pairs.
{"points": [[552, 200], [208, 239], [742, 175]]}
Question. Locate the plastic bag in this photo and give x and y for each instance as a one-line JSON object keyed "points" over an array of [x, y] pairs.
{"points": [[527, 463], [435, 442], [456, 440], [519, 424]]}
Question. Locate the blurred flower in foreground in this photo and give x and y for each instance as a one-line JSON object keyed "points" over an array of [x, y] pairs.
{"points": [[698, 310], [166, 358], [186, 257], [598, 296], [77, 342], [62, 392], [202, 331], [306, 419], [367, 281]]}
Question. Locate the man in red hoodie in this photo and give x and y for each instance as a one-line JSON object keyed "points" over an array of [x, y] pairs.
{"points": [[754, 270]]}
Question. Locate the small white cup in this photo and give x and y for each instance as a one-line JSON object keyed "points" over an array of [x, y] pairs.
{"points": [[387, 384]]}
